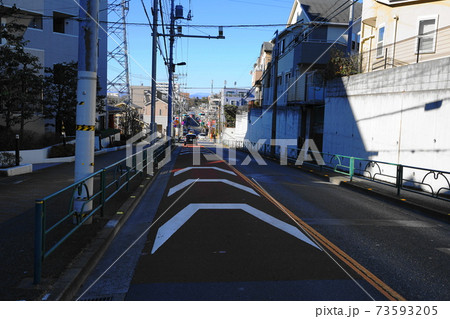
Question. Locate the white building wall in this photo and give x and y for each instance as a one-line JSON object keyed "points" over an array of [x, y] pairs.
{"points": [[398, 115], [53, 47]]}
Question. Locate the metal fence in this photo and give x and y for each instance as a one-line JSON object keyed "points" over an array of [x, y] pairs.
{"points": [[56, 218], [424, 181]]}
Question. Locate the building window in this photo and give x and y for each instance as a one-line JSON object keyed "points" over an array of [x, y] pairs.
{"points": [[288, 77], [380, 51], [35, 22], [282, 46], [160, 112], [355, 42], [59, 22], [426, 37], [318, 34]]}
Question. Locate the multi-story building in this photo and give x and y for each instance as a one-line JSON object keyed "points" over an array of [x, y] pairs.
{"points": [[292, 89], [314, 29], [141, 99], [236, 96], [259, 69], [401, 32], [52, 34]]}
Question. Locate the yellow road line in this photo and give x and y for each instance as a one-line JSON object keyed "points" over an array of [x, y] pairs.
{"points": [[377, 283]]}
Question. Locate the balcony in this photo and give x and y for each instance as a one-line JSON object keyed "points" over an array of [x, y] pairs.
{"points": [[309, 89], [309, 52]]}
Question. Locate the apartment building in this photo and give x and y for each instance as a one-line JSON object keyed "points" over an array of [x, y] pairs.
{"points": [[52, 35], [401, 32]]}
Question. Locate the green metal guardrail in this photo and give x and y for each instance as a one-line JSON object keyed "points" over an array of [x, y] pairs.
{"points": [[423, 181], [108, 182]]}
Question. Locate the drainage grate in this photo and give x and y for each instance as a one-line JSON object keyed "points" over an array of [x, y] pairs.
{"points": [[110, 297], [104, 298]]}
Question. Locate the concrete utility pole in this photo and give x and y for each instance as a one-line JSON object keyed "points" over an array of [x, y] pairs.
{"points": [[350, 27], [276, 52], [154, 60], [86, 98], [173, 17], [171, 69]]}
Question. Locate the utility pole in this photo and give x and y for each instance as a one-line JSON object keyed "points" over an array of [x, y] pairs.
{"points": [[275, 92], [171, 69], [86, 100], [154, 60], [173, 17], [350, 27]]}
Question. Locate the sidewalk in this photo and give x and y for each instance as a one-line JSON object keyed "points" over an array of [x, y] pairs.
{"points": [[17, 199], [425, 204]]}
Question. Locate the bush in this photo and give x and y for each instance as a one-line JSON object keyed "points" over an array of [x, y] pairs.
{"points": [[7, 160], [62, 151]]}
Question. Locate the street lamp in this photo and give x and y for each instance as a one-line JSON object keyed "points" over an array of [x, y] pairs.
{"points": [[178, 64]]}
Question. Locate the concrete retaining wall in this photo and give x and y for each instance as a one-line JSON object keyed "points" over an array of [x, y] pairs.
{"points": [[41, 155], [399, 115]]}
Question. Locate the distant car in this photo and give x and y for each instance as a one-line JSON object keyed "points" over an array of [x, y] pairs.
{"points": [[202, 136], [190, 139]]}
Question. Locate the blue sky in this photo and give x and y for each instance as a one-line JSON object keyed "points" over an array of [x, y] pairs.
{"points": [[207, 59]]}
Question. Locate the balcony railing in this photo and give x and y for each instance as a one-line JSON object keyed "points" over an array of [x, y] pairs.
{"points": [[307, 89], [412, 50]]}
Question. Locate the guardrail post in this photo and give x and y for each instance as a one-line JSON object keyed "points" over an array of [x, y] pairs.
{"points": [[102, 187], [144, 162], [38, 240], [399, 181], [352, 168]]}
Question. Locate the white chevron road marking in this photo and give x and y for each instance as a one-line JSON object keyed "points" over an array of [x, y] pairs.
{"points": [[203, 167], [188, 182], [174, 224]]}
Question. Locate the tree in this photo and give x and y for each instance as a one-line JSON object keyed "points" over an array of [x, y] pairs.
{"points": [[341, 65], [129, 121], [60, 97], [20, 79], [230, 115]]}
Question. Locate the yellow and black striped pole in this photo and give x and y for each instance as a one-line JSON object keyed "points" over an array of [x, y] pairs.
{"points": [[86, 98]]}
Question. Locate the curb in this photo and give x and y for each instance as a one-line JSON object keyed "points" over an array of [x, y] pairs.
{"points": [[77, 272], [344, 181]]}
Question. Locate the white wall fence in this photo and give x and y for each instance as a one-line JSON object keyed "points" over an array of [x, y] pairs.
{"points": [[397, 115], [41, 155]]}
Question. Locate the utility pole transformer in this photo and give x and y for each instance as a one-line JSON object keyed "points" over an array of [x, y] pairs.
{"points": [[86, 100]]}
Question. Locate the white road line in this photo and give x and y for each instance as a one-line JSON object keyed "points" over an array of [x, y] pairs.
{"points": [[172, 225], [203, 167], [187, 182], [444, 250]]}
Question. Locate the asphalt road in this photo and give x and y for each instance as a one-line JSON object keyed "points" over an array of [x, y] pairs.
{"points": [[229, 240], [406, 249]]}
